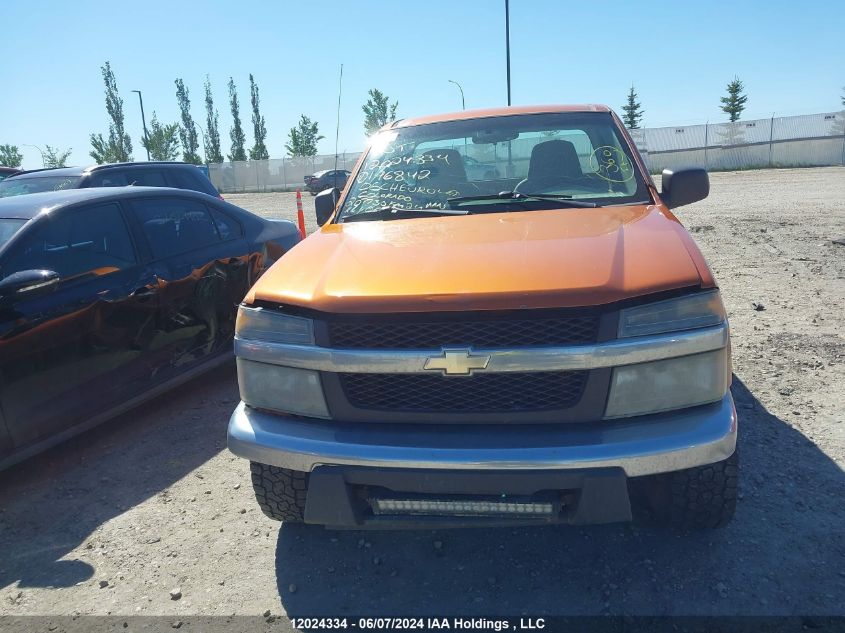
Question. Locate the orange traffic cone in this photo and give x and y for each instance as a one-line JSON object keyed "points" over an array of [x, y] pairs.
{"points": [[300, 216]]}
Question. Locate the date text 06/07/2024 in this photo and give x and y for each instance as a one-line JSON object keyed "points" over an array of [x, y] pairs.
{"points": [[419, 624]]}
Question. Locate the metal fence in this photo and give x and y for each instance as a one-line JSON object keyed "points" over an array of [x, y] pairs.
{"points": [[794, 141], [276, 174]]}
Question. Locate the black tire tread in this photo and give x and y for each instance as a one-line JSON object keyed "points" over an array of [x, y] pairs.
{"points": [[280, 492], [704, 497]]}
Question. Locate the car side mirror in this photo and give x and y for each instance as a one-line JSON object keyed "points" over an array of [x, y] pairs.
{"points": [[27, 284], [684, 186], [324, 204]]}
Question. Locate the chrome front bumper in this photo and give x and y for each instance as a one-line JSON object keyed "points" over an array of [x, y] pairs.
{"points": [[644, 445]]}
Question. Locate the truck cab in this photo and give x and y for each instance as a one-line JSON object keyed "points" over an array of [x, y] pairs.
{"points": [[525, 344]]}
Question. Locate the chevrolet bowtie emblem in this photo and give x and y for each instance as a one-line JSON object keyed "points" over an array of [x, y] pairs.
{"points": [[457, 362]]}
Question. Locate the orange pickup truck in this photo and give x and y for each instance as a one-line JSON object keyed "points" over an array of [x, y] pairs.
{"points": [[542, 345]]}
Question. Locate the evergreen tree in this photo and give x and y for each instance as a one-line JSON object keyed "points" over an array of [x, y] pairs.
{"points": [[55, 157], [259, 149], [163, 140], [211, 139], [10, 156], [734, 102], [237, 132], [187, 129], [302, 139], [377, 112], [118, 148], [633, 111]]}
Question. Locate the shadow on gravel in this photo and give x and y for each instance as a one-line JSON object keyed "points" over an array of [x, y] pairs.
{"points": [[782, 554], [52, 503]]}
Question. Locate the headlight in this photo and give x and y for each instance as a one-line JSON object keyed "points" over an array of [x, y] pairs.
{"points": [[684, 313], [665, 385], [674, 383], [274, 387], [262, 324], [282, 389]]}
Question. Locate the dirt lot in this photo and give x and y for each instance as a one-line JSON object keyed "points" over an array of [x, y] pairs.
{"points": [[114, 520]]}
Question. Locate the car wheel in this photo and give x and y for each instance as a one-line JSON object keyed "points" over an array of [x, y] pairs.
{"points": [[697, 498], [280, 492]]}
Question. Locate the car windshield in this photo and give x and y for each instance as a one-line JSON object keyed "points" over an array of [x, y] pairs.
{"points": [[565, 155], [8, 227], [19, 186]]}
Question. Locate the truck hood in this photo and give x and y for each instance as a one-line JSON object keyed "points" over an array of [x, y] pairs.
{"points": [[528, 259]]}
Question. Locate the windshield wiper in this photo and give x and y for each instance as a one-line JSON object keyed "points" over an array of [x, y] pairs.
{"points": [[393, 213], [518, 196]]}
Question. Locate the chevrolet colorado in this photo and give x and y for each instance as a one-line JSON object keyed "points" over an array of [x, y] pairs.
{"points": [[529, 346]]}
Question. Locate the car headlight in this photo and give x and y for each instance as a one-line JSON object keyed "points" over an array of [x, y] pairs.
{"points": [[665, 385], [282, 389], [275, 387], [674, 383], [262, 324], [684, 313]]}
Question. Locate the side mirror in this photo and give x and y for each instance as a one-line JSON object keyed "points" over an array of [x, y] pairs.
{"points": [[684, 186], [27, 284], [324, 204]]}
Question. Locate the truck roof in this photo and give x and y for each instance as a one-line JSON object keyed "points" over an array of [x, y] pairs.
{"points": [[501, 111]]}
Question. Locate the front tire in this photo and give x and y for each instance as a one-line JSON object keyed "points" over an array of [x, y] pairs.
{"points": [[698, 498], [280, 492]]}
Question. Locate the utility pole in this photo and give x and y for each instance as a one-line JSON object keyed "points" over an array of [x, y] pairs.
{"points": [[508, 45], [463, 103], [144, 123]]}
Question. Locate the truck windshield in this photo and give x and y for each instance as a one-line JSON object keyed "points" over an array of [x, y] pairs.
{"points": [[580, 156]]}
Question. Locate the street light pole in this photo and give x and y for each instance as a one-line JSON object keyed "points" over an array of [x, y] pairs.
{"points": [[463, 103], [39, 151], [144, 123], [508, 45]]}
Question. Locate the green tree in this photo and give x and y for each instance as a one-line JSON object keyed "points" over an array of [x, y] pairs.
{"points": [[302, 139], [377, 112], [102, 151], [237, 132], [187, 129], [633, 111], [843, 95], [10, 156], [163, 140], [211, 135], [55, 157], [734, 102], [259, 149], [118, 148]]}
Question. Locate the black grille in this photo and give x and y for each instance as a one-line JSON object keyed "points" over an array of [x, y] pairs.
{"points": [[503, 392], [463, 331]]}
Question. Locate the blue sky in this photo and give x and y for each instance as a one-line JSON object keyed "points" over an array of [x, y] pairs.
{"points": [[678, 54]]}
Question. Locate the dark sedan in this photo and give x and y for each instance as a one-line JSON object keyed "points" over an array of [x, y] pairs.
{"points": [[142, 174], [5, 172], [322, 180], [110, 296]]}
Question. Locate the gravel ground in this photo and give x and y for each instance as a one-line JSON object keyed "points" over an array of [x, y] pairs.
{"points": [[116, 520]]}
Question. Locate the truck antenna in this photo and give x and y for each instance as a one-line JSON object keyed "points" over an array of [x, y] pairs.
{"points": [[337, 129]]}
